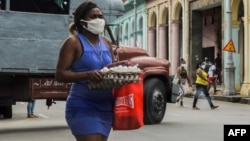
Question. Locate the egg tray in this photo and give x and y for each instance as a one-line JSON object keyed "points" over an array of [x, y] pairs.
{"points": [[115, 79]]}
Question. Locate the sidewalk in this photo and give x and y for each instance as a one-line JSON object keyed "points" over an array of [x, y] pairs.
{"points": [[237, 98]]}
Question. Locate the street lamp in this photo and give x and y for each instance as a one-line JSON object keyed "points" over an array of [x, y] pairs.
{"points": [[229, 68]]}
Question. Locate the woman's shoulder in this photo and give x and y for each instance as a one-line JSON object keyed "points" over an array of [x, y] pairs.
{"points": [[72, 41], [198, 70], [72, 38]]}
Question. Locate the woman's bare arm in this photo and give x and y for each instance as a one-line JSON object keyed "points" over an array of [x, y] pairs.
{"points": [[71, 51]]}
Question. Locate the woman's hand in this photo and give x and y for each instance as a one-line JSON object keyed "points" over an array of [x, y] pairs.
{"points": [[189, 84], [94, 76]]}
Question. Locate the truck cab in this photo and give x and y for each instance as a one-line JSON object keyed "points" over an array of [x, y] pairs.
{"points": [[31, 34]]}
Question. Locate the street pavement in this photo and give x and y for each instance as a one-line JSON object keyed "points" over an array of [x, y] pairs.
{"points": [[179, 123]]}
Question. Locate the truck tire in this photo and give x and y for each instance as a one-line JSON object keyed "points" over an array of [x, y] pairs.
{"points": [[7, 112], [154, 101]]}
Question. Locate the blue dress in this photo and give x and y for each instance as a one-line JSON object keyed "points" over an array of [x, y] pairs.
{"points": [[90, 111]]}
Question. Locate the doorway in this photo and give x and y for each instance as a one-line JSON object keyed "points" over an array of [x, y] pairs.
{"points": [[209, 53]]}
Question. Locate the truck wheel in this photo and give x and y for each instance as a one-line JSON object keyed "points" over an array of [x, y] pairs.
{"points": [[154, 101], [7, 112]]}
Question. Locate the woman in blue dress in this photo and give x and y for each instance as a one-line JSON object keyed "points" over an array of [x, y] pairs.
{"points": [[89, 112]]}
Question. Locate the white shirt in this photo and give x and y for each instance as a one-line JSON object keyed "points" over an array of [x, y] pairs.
{"points": [[211, 71]]}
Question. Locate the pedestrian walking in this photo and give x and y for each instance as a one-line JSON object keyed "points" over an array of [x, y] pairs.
{"points": [[201, 86], [218, 64], [183, 80], [212, 77], [89, 112]]}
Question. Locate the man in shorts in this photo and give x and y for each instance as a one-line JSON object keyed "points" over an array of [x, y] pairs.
{"points": [[212, 76]]}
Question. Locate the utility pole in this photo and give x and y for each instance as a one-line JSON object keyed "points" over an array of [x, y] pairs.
{"points": [[229, 75], [7, 5], [135, 23]]}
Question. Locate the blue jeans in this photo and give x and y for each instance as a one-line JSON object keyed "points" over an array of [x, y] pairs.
{"points": [[199, 89], [30, 107]]}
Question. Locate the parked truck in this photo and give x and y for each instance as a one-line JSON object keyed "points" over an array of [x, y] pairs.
{"points": [[31, 33]]}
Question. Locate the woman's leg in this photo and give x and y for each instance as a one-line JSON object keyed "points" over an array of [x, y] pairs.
{"points": [[180, 93], [29, 107], [32, 107], [183, 92], [91, 137], [214, 84], [209, 98], [205, 91], [196, 96]]}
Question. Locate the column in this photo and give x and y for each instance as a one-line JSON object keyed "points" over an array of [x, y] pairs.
{"points": [[186, 32], [151, 42], [162, 42], [229, 69], [175, 46], [245, 89], [236, 55]]}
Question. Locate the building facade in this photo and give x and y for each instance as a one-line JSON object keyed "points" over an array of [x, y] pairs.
{"points": [[193, 30]]}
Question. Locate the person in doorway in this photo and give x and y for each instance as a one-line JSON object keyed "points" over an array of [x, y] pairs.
{"points": [[218, 64], [201, 86], [212, 77], [89, 112], [207, 64], [30, 109], [184, 79], [205, 61]]}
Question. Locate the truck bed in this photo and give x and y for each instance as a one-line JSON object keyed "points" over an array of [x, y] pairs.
{"points": [[31, 44]]}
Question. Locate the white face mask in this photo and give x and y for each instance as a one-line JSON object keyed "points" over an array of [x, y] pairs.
{"points": [[183, 65], [203, 66], [95, 26]]}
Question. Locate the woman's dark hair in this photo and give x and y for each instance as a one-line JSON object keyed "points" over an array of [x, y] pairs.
{"points": [[81, 13]]}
